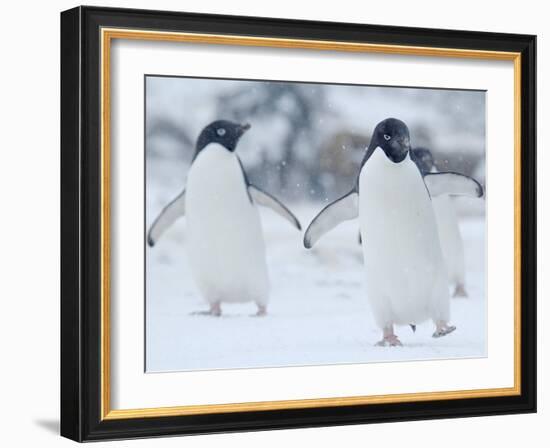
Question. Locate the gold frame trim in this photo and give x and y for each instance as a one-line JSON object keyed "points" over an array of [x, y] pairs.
{"points": [[107, 35]]}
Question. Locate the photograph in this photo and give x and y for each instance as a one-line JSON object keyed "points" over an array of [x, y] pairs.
{"points": [[272, 223], [299, 224]]}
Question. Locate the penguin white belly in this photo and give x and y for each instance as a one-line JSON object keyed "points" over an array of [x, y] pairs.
{"points": [[406, 277], [225, 242], [450, 237]]}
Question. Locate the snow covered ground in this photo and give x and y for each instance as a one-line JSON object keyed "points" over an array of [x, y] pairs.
{"points": [[318, 314]]}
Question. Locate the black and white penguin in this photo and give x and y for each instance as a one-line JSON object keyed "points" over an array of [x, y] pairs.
{"points": [[225, 242], [405, 271], [447, 226]]}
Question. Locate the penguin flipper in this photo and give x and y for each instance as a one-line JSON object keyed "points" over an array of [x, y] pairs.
{"points": [[454, 184], [166, 218], [343, 209], [260, 197]]}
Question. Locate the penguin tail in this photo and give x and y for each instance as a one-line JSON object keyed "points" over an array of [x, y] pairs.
{"points": [[413, 327]]}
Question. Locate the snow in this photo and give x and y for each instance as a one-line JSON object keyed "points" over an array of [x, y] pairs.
{"points": [[318, 311]]}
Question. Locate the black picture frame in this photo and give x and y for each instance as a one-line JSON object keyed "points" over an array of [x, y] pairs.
{"points": [[81, 224]]}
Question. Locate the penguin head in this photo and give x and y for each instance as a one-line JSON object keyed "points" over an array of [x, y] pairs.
{"points": [[223, 132], [423, 158], [392, 135]]}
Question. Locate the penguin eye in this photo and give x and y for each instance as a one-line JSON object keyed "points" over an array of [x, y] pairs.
{"points": [[220, 132], [387, 137]]}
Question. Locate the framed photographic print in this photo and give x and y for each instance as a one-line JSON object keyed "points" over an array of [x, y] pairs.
{"points": [[277, 224]]}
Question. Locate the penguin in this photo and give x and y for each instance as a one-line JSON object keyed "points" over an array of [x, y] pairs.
{"points": [[225, 243], [447, 226], [406, 277]]}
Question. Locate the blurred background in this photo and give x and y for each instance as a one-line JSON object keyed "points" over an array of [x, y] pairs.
{"points": [[307, 140]]}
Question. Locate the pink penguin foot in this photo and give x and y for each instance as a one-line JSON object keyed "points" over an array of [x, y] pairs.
{"points": [[215, 310], [443, 329], [262, 311], [389, 341]]}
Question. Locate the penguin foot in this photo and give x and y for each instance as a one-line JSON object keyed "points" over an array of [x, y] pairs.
{"points": [[389, 341], [215, 310], [460, 291], [262, 311], [443, 330]]}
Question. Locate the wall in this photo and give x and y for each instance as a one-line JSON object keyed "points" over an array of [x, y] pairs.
{"points": [[29, 186]]}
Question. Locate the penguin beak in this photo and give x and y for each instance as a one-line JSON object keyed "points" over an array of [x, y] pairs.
{"points": [[244, 127]]}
